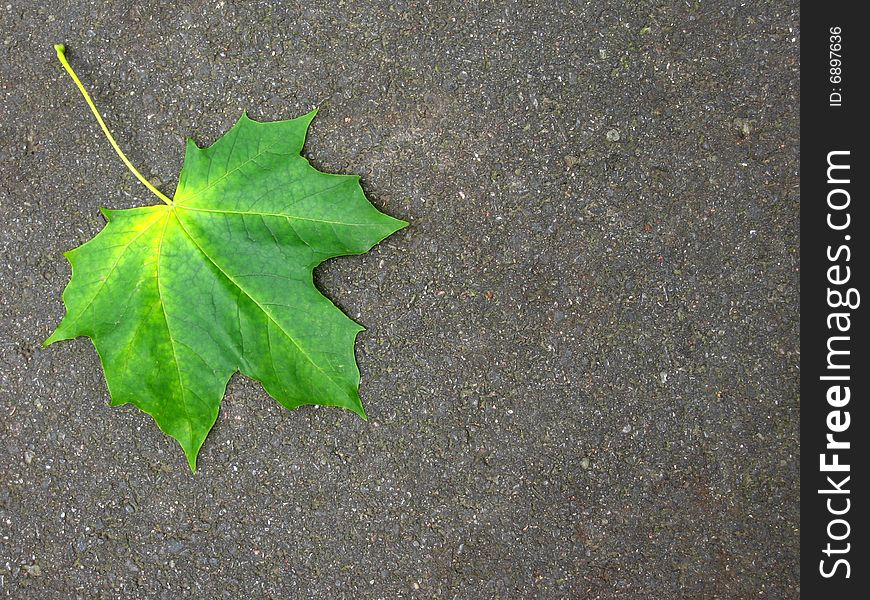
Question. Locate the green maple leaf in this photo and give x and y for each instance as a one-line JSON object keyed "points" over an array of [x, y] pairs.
{"points": [[178, 297]]}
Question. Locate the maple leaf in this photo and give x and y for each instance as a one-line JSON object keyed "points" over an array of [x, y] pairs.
{"points": [[179, 296]]}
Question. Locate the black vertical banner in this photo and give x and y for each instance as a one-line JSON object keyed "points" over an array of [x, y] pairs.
{"points": [[834, 264]]}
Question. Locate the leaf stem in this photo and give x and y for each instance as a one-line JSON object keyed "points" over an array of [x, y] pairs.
{"points": [[61, 55]]}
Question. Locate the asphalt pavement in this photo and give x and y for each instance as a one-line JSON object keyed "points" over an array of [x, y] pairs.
{"points": [[581, 361]]}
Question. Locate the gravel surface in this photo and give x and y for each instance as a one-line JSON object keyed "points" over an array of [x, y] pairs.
{"points": [[581, 358]]}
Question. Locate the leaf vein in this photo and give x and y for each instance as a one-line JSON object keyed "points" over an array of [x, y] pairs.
{"points": [[261, 307]]}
